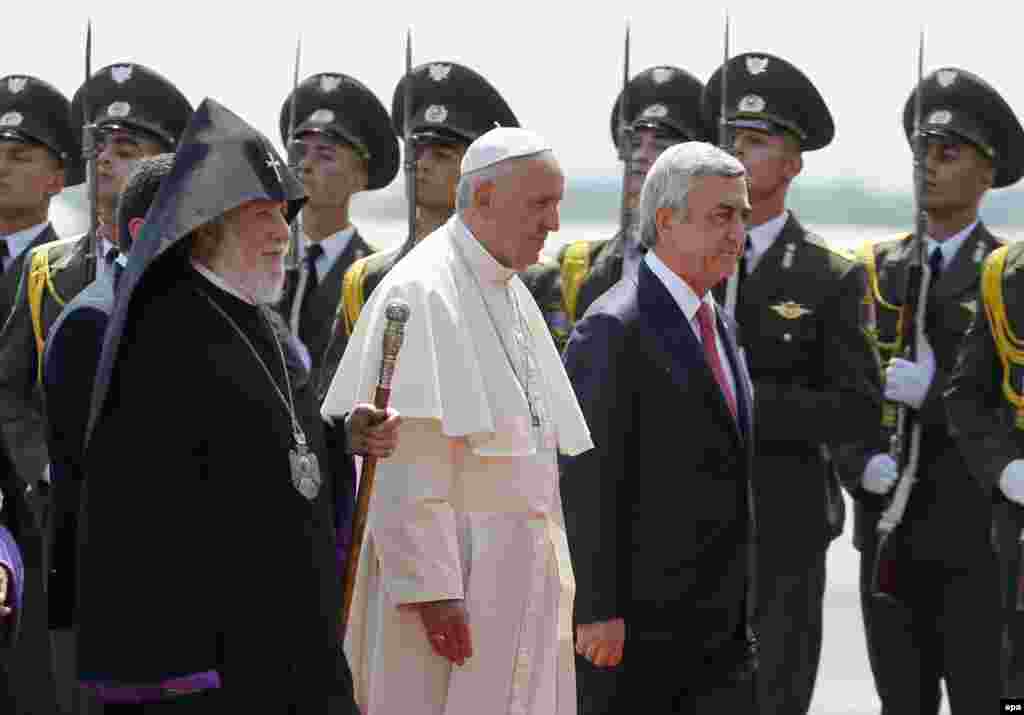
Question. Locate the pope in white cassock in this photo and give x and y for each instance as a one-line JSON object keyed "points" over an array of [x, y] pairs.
{"points": [[464, 592]]}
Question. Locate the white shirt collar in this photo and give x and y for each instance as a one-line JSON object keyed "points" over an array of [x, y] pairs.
{"points": [[763, 236], [18, 241], [334, 245], [480, 259], [951, 245], [220, 282], [681, 292]]}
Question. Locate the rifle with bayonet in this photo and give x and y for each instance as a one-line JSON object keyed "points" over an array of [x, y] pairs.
{"points": [[625, 140], [294, 160], [732, 285], [90, 154], [409, 164], [905, 442]]}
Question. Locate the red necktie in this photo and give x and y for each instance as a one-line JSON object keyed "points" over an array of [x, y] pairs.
{"points": [[707, 336]]}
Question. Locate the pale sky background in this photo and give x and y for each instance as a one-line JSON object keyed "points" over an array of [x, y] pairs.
{"points": [[559, 64]]}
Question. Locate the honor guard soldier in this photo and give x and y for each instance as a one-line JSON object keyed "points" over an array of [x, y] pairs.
{"points": [[138, 113], [662, 109], [39, 155], [947, 623], [816, 377], [342, 144], [451, 105]]}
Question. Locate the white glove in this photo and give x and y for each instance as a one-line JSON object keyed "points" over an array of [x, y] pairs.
{"points": [[880, 474], [908, 382], [1011, 481]]}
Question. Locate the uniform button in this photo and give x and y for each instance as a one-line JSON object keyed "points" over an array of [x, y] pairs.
{"points": [[787, 337]]}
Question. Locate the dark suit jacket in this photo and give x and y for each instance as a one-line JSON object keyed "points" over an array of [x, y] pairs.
{"points": [[315, 327], [659, 514], [69, 369]]}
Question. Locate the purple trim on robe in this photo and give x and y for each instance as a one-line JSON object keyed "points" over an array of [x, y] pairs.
{"points": [[109, 692], [10, 556]]}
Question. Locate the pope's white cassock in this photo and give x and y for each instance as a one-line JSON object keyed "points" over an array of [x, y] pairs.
{"points": [[468, 507]]}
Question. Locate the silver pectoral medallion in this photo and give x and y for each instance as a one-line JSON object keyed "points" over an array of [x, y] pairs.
{"points": [[305, 470]]}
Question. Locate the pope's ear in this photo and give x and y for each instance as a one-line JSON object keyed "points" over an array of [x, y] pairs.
{"points": [[483, 194]]}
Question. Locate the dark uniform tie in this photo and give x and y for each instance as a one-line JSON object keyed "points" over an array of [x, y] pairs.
{"points": [[932, 314], [306, 319], [935, 264], [5, 253]]}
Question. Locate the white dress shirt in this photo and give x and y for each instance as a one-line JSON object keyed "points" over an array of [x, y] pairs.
{"points": [[689, 303], [334, 245], [762, 237], [18, 241], [950, 246]]}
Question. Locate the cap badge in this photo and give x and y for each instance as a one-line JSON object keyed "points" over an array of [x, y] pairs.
{"points": [[751, 103], [439, 72], [661, 75], [329, 83], [435, 113], [790, 310], [322, 116], [11, 119], [16, 84], [656, 111], [757, 65], [946, 77], [119, 109], [121, 73], [940, 116]]}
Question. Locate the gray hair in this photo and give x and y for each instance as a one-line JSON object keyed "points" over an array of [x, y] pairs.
{"points": [[670, 178], [468, 183]]}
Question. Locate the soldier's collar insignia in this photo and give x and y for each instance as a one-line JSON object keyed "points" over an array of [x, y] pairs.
{"points": [[656, 111], [119, 110], [757, 65], [329, 82], [121, 73], [946, 77], [940, 116], [322, 116], [751, 103], [439, 72], [16, 84], [436, 113], [11, 119], [661, 75], [790, 310]]}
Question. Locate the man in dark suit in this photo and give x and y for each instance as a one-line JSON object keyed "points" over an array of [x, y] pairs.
{"points": [[341, 144], [70, 358], [38, 150], [664, 574]]}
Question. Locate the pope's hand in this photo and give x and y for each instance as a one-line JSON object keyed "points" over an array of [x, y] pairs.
{"points": [[447, 626], [602, 643], [1011, 481], [880, 474], [372, 432], [5, 581], [908, 382]]}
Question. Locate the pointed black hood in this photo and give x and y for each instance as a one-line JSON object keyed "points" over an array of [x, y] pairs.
{"points": [[221, 163]]}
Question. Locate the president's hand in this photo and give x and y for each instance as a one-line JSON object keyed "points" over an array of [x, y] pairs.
{"points": [[602, 643], [372, 432], [5, 586], [447, 626]]}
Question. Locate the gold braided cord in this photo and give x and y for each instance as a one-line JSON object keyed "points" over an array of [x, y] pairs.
{"points": [[1008, 345], [866, 253]]}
